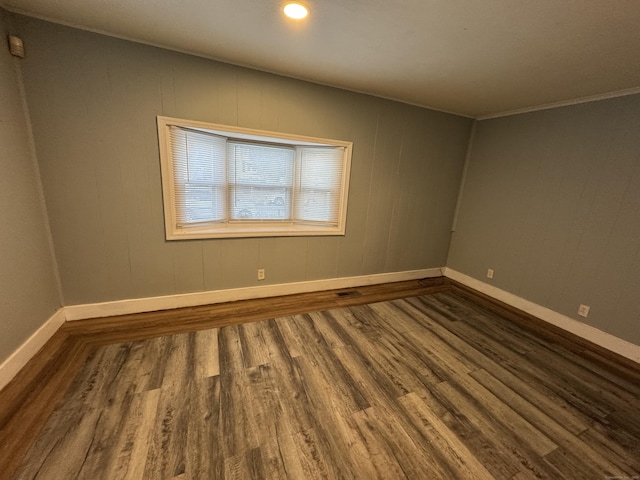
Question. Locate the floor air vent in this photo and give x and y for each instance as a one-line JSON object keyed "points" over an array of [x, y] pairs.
{"points": [[350, 293]]}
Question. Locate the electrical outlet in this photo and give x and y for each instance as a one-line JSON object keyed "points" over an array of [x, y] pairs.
{"points": [[261, 274], [489, 273], [583, 310]]}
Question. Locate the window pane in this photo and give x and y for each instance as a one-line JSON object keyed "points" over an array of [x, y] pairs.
{"points": [[260, 203], [199, 203], [199, 176], [260, 181], [316, 206], [319, 185]]}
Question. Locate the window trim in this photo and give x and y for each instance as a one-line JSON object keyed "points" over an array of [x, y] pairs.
{"points": [[249, 228]]}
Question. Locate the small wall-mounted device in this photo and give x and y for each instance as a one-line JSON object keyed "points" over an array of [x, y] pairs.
{"points": [[16, 47]]}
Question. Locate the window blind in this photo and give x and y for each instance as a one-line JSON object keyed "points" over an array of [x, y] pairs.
{"points": [[260, 181], [319, 185], [199, 174]]}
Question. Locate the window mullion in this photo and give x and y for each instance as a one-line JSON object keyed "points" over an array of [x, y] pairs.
{"points": [[295, 187]]}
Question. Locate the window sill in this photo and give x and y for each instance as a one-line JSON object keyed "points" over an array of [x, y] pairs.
{"points": [[252, 231]]}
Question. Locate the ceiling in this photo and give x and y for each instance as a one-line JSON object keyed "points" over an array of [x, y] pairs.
{"points": [[474, 58]]}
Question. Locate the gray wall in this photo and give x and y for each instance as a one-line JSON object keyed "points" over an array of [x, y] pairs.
{"points": [[552, 204], [93, 102], [28, 289]]}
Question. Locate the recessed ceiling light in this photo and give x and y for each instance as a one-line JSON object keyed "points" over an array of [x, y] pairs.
{"points": [[295, 10]]}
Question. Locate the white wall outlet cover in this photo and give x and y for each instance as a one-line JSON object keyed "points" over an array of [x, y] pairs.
{"points": [[583, 310]]}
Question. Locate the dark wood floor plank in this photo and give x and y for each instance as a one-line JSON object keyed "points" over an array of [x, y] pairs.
{"points": [[477, 315], [78, 424], [282, 411], [549, 402], [238, 430], [331, 412], [507, 441], [283, 379], [325, 327], [489, 450], [624, 429], [391, 344], [114, 432], [547, 353], [318, 354], [384, 357], [457, 369], [290, 339], [279, 456], [548, 333], [623, 454], [547, 377], [565, 461], [418, 458], [151, 369], [169, 322], [166, 457], [204, 448], [623, 374], [544, 423], [390, 401], [57, 462]]}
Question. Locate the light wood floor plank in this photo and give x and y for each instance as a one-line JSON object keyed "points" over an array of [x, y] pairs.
{"points": [[381, 452], [132, 455], [465, 464], [206, 353]]}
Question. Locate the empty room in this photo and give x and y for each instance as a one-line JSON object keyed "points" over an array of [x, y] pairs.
{"points": [[295, 240]]}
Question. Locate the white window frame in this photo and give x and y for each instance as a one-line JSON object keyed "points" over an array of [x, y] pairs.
{"points": [[235, 228]]}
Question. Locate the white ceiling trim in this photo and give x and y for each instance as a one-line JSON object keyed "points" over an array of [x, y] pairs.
{"points": [[563, 103]]}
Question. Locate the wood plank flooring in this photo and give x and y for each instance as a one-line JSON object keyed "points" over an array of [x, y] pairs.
{"points": [[427, 387], [31, 397]]}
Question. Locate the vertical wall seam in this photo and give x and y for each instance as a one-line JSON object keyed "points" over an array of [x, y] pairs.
{"points": [[463, 179], [40, 188]]}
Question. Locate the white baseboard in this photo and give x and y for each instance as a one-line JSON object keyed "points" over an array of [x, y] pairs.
{"points": [[18, 359], [12, 365], [151, 304], [606, 340]]}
